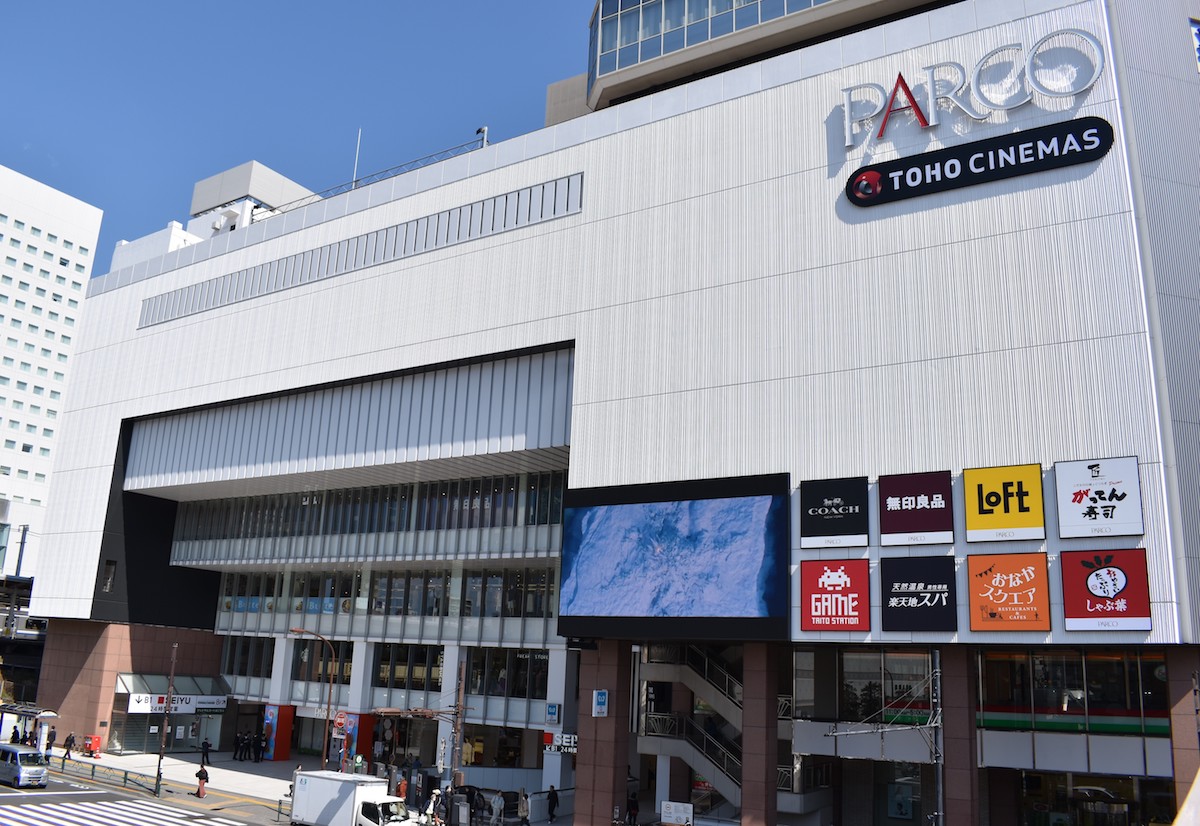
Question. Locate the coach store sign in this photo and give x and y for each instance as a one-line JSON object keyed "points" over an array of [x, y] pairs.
{"points": [[833, 513]]}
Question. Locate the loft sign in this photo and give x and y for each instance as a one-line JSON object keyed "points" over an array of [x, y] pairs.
{"points": [[1062, 64]]}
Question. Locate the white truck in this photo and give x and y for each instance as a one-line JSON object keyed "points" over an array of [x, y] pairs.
{"points": [[328, 798]]}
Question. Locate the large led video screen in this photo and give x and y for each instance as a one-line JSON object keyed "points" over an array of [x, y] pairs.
{"points": [[682, 560]]}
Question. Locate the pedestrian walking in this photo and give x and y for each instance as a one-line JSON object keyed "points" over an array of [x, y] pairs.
{"points": [[552, 802], [205, 749], [201, 778], [15, 737], [523, 808], [68, 744], [497, 808], [631, 810], [50, 738]]}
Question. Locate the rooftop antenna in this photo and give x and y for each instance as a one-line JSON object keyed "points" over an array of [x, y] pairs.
{"points": [[357, 146]]}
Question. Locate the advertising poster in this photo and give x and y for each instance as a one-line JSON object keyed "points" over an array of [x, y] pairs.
{"points": [[1099, 497], [835, 595], [1008, 592], [918, 594], [270, 726], [833, 513], [1004, 503], [1105, 590], [347, 746], [916, 509]]}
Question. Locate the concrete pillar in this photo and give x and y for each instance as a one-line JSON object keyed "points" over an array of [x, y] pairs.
{"points": [[1183, 663], [760, 734], [602, 761], [959, 751], [662, 780]]}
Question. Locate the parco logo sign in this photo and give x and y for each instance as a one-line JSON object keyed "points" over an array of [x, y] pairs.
{"points": [[1062, 64]]}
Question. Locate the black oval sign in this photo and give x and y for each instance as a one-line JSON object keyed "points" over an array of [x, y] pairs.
{"points": [[994, 159]]}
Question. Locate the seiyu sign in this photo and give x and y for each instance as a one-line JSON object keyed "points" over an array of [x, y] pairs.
{"points": [[180, 703], [1061, 64]]}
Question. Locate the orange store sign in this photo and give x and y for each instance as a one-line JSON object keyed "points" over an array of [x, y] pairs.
{"points": [[1008, 592]]}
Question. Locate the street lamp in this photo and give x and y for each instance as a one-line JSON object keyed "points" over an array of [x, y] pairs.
{"points": [[329, 696]]}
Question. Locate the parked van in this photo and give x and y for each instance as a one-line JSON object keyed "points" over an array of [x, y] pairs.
{"points": [[22, 766]]}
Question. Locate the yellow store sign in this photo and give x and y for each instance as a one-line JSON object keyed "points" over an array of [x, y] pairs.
{"points": [[1004, 503]]}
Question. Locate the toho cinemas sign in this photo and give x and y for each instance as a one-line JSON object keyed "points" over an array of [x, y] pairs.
{"points": [[1061, 64]]}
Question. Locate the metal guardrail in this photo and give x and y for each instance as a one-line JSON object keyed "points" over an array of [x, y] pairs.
{"points": [[714, 674], [428, 160], [92, 770]]}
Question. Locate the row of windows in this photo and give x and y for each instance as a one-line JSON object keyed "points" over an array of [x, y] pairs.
{"points": [[35, 409], [489, 502], [11, 444], [36, 232], [628, 32], [34, 329], [524, 207], [1096, 691], [408, 667], [248, 656], [514, 592], [31, 429], [36, 309], [14, 497], [29, 347], [27, 367], [17, 323], [310, 661], [47, 255], [40, 292], [508, 672], [5, 470], [21, 385]]}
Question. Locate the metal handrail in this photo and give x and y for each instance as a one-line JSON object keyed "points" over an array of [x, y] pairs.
{"points": [[717, 750], [375, 177], [715, 675], [783, 707]]}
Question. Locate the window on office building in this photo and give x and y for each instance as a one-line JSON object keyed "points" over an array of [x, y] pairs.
{"points": [[408, 667], [508, 672], [311, 661]]}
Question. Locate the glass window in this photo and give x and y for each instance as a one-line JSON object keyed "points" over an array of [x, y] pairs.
{"points": [[906, 687], [1156, 705], [862, 685], [1006, 691], [673, 14], [1058, 691], [472, 596], [651, 19], [630, 27]]}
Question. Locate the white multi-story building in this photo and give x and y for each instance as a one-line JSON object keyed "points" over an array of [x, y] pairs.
{"points": [[46, 243], [813, 424]]}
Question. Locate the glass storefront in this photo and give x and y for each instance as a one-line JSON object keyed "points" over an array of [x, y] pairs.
{"points": [[137, 724], [1063, 799]]}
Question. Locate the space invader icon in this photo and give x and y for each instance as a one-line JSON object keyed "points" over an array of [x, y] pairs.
{"points": [[833, 580]]}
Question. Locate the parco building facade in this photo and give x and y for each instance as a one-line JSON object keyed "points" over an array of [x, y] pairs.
{"points": [[817, 415]]}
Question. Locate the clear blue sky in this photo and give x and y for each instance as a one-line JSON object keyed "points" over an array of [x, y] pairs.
{"points": [[127, 104]]}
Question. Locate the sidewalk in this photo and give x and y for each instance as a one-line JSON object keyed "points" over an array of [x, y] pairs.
{"points": [[242, 789]]}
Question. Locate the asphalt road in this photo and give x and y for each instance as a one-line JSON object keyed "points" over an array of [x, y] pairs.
{"points": [[72, 803]]}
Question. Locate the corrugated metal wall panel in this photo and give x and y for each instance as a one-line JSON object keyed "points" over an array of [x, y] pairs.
{"points": [[436, 416]]}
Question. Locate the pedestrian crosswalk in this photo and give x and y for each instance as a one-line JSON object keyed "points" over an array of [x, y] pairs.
{"points": [[106, 813]]}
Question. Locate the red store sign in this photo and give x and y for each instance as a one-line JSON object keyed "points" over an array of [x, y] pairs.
{"points": [[835, 595]]}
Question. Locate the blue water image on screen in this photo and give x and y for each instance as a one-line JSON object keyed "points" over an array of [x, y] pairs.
{"points": [[696, 558]]}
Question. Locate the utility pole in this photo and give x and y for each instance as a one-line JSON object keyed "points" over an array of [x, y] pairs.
{"points": [[166, 725]]}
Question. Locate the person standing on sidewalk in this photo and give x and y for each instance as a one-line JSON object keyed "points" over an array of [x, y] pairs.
{"points": [[523, 808], [68, 744], [202, 778], [205, 748], [51, 736], [552, 802]]}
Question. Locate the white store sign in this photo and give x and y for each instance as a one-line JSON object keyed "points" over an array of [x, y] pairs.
{"points": [[180, 703], [1099, 497]]}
